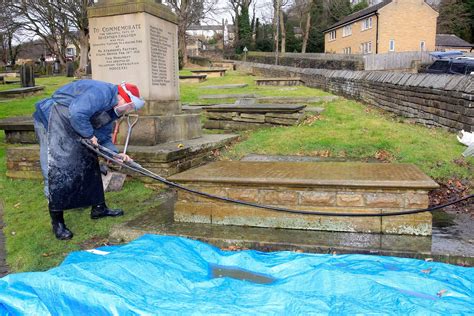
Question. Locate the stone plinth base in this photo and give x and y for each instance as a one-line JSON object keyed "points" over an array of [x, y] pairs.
{"points": [[330, 187], [164, 159], [153, 130]]}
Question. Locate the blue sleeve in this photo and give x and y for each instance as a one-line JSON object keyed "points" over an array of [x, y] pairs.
{"points": [[83, 107], [104, 136]]}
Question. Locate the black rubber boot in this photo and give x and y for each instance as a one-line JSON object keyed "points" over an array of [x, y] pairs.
{"points": [[101, 210], [59, 227]]}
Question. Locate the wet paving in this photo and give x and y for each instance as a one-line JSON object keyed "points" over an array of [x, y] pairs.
{"points": [[452, 240]]}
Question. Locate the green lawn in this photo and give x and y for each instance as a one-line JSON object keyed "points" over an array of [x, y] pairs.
{"points": [[346, 129]]}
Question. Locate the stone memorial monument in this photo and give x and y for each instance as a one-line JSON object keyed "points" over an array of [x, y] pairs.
{"points": [[136, 41]]}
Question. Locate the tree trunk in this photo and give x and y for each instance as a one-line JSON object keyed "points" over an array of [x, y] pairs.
{"points": [[306, 32], [276, 37], [182, 42], [84, 51], [283, 33]]}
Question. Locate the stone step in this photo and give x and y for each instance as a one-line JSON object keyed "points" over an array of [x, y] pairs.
{"points": [[344, 187], [163, 159]]}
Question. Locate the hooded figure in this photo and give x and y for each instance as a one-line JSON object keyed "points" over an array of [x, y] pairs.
{"points": [[84, 109]]}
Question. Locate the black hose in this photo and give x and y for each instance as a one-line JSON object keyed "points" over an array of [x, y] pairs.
{"points": [[133, 166]]}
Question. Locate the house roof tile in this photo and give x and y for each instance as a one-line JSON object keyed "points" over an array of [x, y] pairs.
{"points": [[359, 14], [451, 40]]}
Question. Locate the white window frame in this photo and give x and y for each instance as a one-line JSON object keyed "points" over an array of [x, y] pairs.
{"points": [[366, 23], [366, 48], [347, 50], [422, 46], [332, 35], [347, 30], [391, 45]]}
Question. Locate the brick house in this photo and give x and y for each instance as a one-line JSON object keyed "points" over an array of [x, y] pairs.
{"points": [[389, 26]]}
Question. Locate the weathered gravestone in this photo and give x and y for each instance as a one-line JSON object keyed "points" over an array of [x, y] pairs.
{"points": [[69, 69], [27, 76]]}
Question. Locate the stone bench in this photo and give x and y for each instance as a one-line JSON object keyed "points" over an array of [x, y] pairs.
{"points": [[344, 187], [248, 116], [211, 73], [21, 92], [193, 78], [293, 81], [19, 130]]}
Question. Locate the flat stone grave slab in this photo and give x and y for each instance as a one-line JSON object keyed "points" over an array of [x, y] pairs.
{"points": [[19, 130], [21, 92], [339, 187], [226, 64], [246, 101], [227, 86], [293, 81], [226, 96], [255, 108], [250, 115], [211, 73], [192, 78], [288, 100]]}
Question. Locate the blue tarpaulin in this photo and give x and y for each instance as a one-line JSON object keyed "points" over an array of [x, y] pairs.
{"points": [[171, 275]]}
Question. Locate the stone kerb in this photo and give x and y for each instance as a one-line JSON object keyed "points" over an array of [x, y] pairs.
{"points": [[434, 100], [330, 187]]}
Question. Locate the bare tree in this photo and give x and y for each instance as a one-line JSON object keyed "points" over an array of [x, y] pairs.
{"points": [[76, 15], [189, 12], [43, 19], [10, 34]]}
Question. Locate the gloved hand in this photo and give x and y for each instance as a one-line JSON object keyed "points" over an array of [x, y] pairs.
{"points": [[103, 169]]}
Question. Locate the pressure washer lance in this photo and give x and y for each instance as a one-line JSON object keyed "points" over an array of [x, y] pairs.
{"points": [[133, 166]]}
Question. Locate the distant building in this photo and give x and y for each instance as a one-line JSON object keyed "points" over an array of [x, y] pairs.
{"points": [[208, 32], [447, 42], [389, 26]]}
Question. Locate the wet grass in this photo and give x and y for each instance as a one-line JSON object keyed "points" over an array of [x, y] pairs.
{"points": [[346, 129]]}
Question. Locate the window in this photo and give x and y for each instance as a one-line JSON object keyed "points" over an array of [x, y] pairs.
{"points": [[391, 45], [366, 48], [347, 50], [458, 68], [332, 35], [422, 46], [440, 65], [347, 30], [367, 24]]}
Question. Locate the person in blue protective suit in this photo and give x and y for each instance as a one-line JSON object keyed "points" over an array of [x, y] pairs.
{"points": [[84, 109]]}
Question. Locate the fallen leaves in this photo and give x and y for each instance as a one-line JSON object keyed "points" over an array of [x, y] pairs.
{"points": [[311, 120], [383, 155]]}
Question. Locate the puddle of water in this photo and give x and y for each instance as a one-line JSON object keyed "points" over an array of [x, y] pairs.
{"points": [[442, 219], [217, 271]]}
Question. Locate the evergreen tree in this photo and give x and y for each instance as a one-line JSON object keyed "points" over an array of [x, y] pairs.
{"points": [[245, 30]]}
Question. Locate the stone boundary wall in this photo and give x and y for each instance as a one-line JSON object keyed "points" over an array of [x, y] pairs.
{"points": [[320, 61], [434, 100]]}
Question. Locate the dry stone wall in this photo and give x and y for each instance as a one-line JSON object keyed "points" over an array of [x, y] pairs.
{"points": [[435, 100]]}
